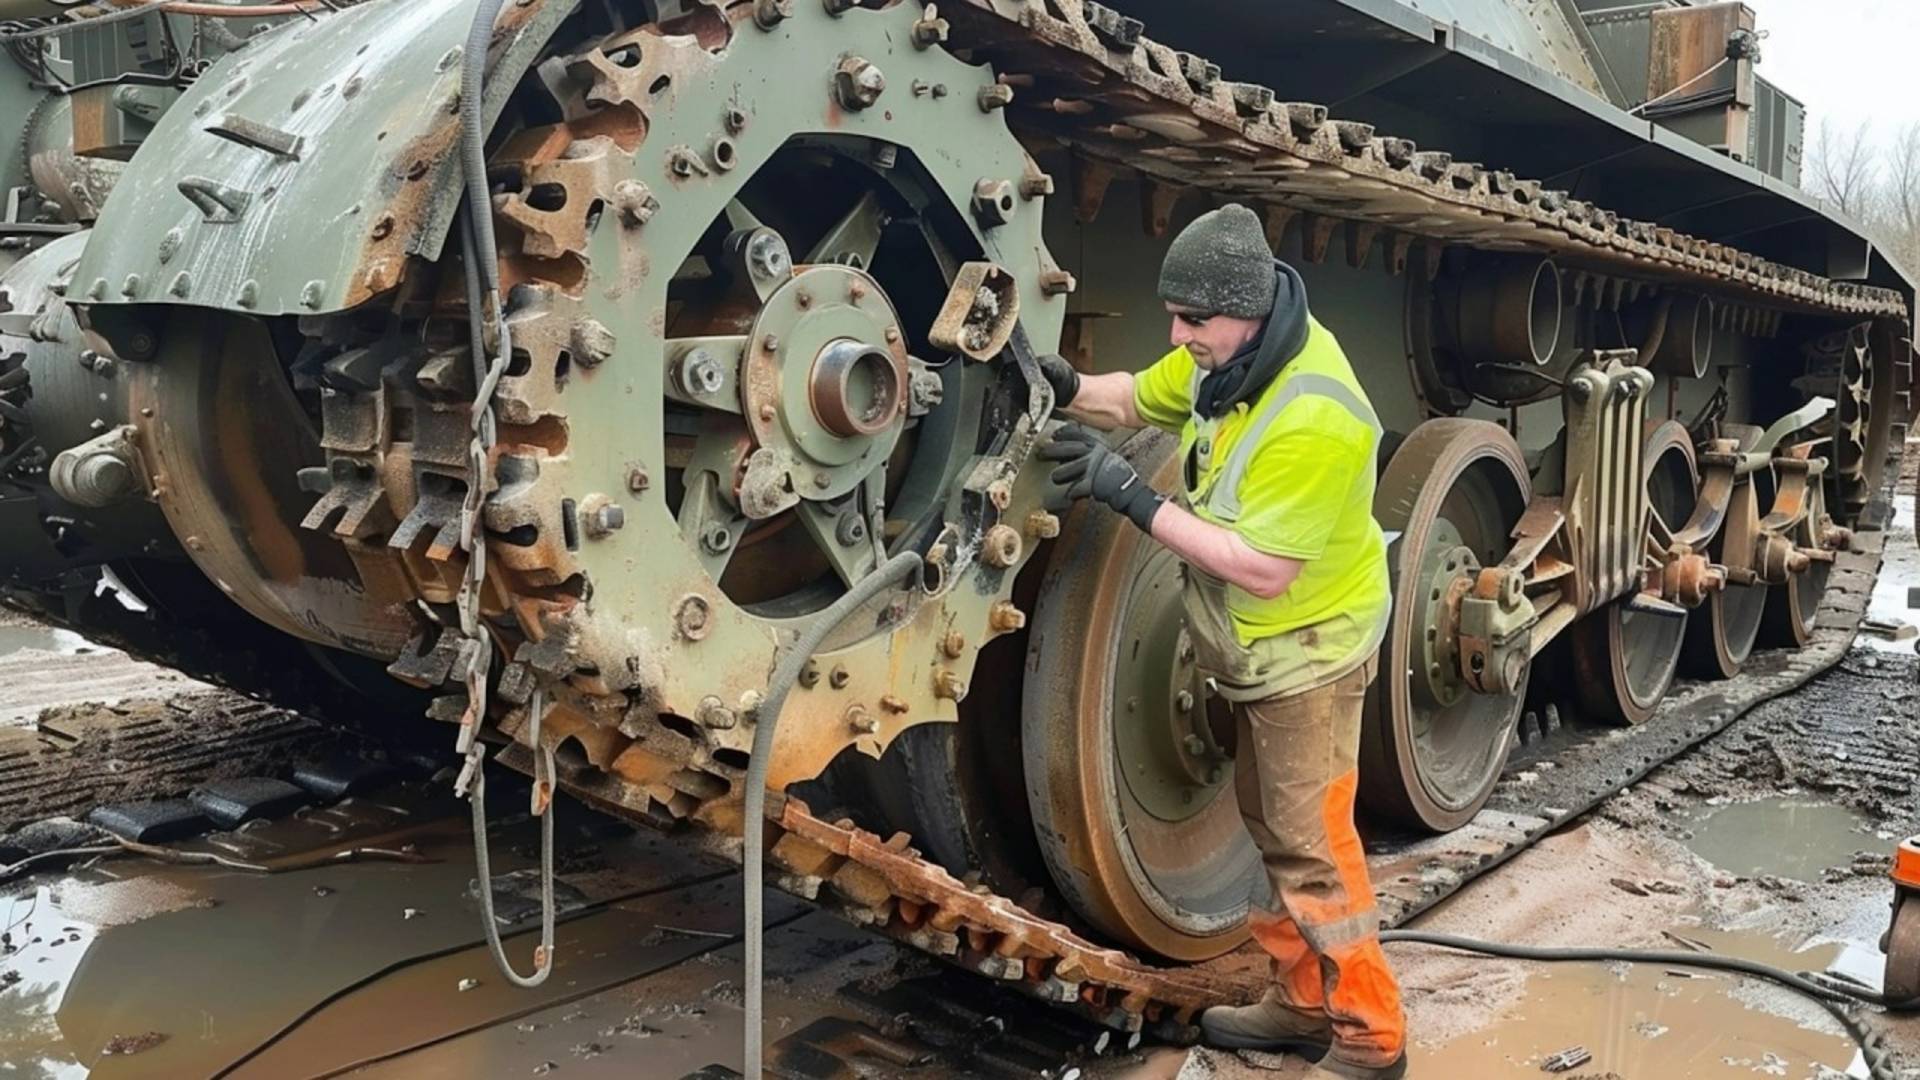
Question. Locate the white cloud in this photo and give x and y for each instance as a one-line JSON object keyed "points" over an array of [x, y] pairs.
{"points": [[1849, 60]]}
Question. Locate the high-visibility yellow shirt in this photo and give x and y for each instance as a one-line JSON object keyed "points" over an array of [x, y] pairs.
{"points": [[1306, 494]]}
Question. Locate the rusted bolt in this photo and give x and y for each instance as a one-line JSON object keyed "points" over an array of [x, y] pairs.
{"points": [[803, 297], [947, 684], [1000, 494], [894, 704], [1057, 282], [861, 721], [1004, 617], [1042, 525], [857, 83], [954, 644], [995, 96], [592, 342], [699, 373], [929, 29], [837, 678], [767, 413], [602, 519], [768, 14], [856, 290], [1036, 185], [383, 228], [638, 481], [714, 713], [693, 617], [1001, 547], [635, 202], [992, 202]]}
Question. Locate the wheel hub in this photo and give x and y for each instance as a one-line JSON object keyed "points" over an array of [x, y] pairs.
{"points": [[1166, 749], [823, 386], [1450, 567]]}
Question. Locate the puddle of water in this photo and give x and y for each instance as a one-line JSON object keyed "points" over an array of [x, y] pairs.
{"points": [[1644, 1021], [1780, 835], [15, 639]]}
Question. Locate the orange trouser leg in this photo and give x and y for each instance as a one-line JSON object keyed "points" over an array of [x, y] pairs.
{"points": [[1322, 928]]}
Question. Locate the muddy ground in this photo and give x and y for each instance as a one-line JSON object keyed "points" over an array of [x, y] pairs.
{"points": [[1769, 842]]}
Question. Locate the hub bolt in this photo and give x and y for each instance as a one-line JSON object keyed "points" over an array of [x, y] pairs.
{"points": [[1005, 618], [700, 374], [857, 83]]}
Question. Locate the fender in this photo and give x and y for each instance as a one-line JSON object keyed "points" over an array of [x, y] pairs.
{"points": [[299, 174]]}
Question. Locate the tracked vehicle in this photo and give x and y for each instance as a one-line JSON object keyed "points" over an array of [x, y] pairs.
{"points": [[773, 278]]}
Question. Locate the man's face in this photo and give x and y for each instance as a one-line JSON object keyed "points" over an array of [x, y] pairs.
{"points": [[1211, 339]]}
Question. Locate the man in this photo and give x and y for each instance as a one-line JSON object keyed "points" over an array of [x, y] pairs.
{"points": [[1286, 600]]}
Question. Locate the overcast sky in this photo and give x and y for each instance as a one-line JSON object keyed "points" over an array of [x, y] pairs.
{"points": [[1851, 60]]}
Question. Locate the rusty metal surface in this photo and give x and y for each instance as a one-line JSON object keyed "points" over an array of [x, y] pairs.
{"points": [[1132, 103]]}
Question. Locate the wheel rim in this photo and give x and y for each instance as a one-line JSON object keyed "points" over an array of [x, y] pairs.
{"points": [[1431, 749], [1902, 979], [1627, 658], [1793, 608], [1718, 645], [1143, 837]]}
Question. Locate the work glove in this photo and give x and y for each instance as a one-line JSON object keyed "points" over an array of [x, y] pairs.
{"points": [[1061, 376], [1087, 468]]}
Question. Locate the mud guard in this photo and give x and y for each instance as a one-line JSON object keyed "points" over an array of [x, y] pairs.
{"points": [[335, 137]]}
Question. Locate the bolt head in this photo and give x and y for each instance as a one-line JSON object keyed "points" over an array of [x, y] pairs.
{"points": [[857, 83], [637, 480]]}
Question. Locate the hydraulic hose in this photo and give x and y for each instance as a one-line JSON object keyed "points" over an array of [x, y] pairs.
{"points": [[1834, 998], [767, 717]]}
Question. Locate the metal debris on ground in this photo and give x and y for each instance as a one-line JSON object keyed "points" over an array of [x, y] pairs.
{"points": [[1890, 629], [1570, 1058]]}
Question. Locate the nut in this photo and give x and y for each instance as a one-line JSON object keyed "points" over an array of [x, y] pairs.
{"points": [[1001, 547], [714, 714], [954, 645], [993, 202], [1057, 283], [1004, 617], [995, 96], [600, 517], [1042, 525], [699, 373], [860, 720], [893, 704], [929, 29], [857, 83], [638, 481], [948, 684], [693, 616], [635, 202], [837, 678]]}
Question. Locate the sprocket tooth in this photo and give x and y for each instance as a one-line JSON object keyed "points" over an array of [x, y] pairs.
{"points": [[437, 510], [527, 517], [542, 325], [563, 179]]}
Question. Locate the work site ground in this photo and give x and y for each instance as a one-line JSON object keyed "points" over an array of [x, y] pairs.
{"points": [[313, 911]]}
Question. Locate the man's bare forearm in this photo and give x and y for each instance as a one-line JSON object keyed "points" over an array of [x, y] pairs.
{"points": [[1221, 552], [1105, 402]]}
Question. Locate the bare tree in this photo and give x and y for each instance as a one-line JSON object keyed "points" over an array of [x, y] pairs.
{"points": [[1896, 218], [1842, 167]]}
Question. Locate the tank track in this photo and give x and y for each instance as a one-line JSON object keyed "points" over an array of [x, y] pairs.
{"points": [[1089, 78]]}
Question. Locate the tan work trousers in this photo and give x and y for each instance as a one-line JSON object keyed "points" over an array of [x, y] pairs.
{"points": [[1298, 756]]}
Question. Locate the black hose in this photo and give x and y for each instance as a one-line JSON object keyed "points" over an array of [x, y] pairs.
{"points": [[767, 716], [1834, 998]]}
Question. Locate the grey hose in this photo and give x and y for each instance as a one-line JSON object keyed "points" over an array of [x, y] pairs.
{"points": [[767, 716], [1833, 998], [473, 163]]}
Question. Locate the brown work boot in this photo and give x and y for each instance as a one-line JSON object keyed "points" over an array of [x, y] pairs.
{"points": [[1268, 1024], [1332, 1067]]}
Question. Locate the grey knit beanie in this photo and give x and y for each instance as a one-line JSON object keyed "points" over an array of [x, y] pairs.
{"points": [[1221, 264]]}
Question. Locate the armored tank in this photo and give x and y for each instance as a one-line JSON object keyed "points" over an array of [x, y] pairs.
{"points": [[628, 377]]}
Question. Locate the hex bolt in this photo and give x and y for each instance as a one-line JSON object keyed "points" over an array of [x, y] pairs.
{"points": [[861, 721], [857, 83], [949, 685], [1000, 494], [837, 678], [995, 96], [768, 14], [1057, 282], [592, 342], [1183, 701], [637, 480], [699, 373], [894, 704], [604, 519], [717, 539], [768, 260], [992, 202], [714, 714], [1195, 745], [929, 29], [851, 529], [1005, 617], [1042, 525], [635, 202], [954, 645], [1036, 185], [1001, 547]]}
